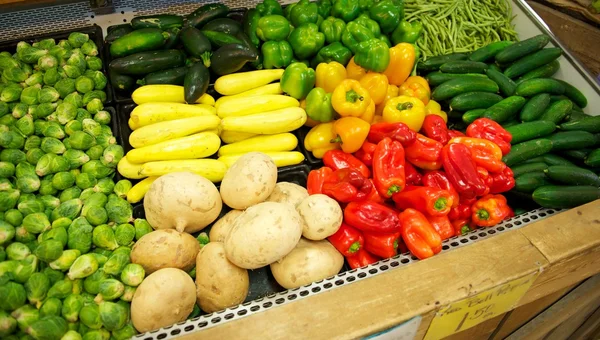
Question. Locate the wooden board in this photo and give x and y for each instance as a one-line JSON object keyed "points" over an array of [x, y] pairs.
{"points": [[574, 6]]}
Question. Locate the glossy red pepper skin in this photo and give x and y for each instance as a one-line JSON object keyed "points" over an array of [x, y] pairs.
{"points": [[315, 180], [455, 133], [371, 217], [374, 196], [396, 131], [485, 177], [462, 171], [435, 128], [365, 154], [338, 159], [413, 176], [442, 225], [428, 200], [488, 129], [425, 153], [388, 167], [418, 234], [347, 240], [347, 185], [462, 226], [382, 245], [485, 154], [490, 210], [362, 258], [502, 182], [438, 179]]}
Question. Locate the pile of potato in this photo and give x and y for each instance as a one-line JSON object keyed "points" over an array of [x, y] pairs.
{"points": [[270, 224]]}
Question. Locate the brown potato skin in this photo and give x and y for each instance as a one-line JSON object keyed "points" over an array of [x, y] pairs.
{"points": [[165, 248], [286, 192], [322, 217], [219, 230]]}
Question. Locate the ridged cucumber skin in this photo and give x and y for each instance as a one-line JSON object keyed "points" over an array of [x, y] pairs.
{"points": [[522, 48], [557, 111], [489, 51], [575, 95], [552, 159], [437, 78], [532, 61], [474, 100], [453, 88], [471, 115], [564, 197], [464, 66], [546, 71], [572, 140], [505, 109], [572, 175], [535, 86], [535, 107], [530, 181], [527, 150], [507, 86], [521, 169], [530, 130], [434, 63]]}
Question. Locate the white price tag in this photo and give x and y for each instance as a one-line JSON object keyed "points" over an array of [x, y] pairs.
{"points": [[405, 331]]}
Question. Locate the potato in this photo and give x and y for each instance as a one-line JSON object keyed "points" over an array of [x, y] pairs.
{"points": [[183, 201], [310, 261], [322, 217], [263, 234], [164, 298], [219, 283], [219, 230], [290, 193], [165, 248], [249, 181]]}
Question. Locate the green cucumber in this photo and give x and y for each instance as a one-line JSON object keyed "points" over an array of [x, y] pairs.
{"points": [[463, 66], [535, 86], [576, 115], [474, 100], [195, 82], [219, 39], [172, 76], [494, 67], [530, 181], [557, 111], [505, 109], [539, 159], [574, 94], [206, 13], [564, 197], [506, 85], [434, 63], [194, 42], [593, 158], [588, 123], [556, 98], [546, 71], [453, 88], [572, 140], [579, 155], [470, 116], [438, 78], [490, 51], [535, 107], [552, 159], [117, 32], [145, 39], [162, 21], [522, 48], [532, 61], [510, 123], [147, 62], [572, 175], [121, 82], [530, 130], [521, 169], [526, 150], [455, 114]]}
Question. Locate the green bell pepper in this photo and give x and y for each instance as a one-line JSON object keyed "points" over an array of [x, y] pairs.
{"points": [[277, 54], [324, 8], [332, 28], [319, 20], [354, 34], [318, 105], [250, 23], [273, 27], [346, 10], [305, 62], [387, 14], [408, 32], [297, 80], [368, 23], [333, 52], [364, 5], [386, 40], [304, 12], [268, 7], [306, 40], [372, 55], [287, 11]]}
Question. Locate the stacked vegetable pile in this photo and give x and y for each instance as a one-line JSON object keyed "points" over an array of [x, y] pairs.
{"points": [[65, 228]]}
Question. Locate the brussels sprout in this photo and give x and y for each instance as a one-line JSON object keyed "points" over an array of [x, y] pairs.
{"points": [[112, 155], [7, 269], [127, 332], [25, 316], [88, 97], [12, 156], [86, 193], [114, 316], [14, 74], [119, 210], [49, 250], [54, 130], [31, 206], [51, 306], [27, 197], [105, 186], [47, 62], [133, 274], [51, 77], [72, 71], [25, 125], [24, 169], [62, 223], [53, 275], [77, 39], [35, 79], [11, 93], [75, 99], [90, 316], [93, 63], [192, 273], [69, 209], [48, 327], [6, 184], [7, 61], [7, 169], [82, 114], [84, 181], [128, 293], [97, 169], [33, 142], [84, 85], [91, 284], [17, 251], [45, 109], [69, 194], [20, 110], [7, 233], [59, 233], [124, 233], [66, 112], [63, 180], [3, 106], [65, 87], [116, 263], [37, 223], [61, 289], [95, 152], [44, 164], [26, 267], [122, 250], [45, 43], [80, 235], [7, 120], [65, 44], [81, 140], [37, 287], [11, 140], [77, 58], [7, 324], [96, 215], [31, 55], [94, 106], [73, 126], [97, 198], [103, 235], [14, 217], [48, 95], [65, 261], [23, 236], [71, 335], [91, 127], [122, 188], [12, 296], [67, 143], [100, 80], [52, 145], [110, 289], [142, 227], [89, 48], [84, 266], [71, 307], [29, 95], [28, 183]]}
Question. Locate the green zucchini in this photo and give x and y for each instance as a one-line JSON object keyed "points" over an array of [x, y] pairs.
{"points": [[206, 13], [471, 115], [453, 88], [574, 94], [579, 155], [147, 62], [474, 100], [434, 63], [121, 82], [162, 21], [506, 85], [530, 181], [545, 71], [526, 150], [219, 39], [224, 25], [195, 82], [522, 48], [173, 37], [564, 197], [535, 107], [572, 140], [535, 86], [593, 159], [530, 130], [145, 39], [463, 66], [588, 123], [532, 61], [231, 58], [117, 32], [552, 159], [173, 76], [437, 78], [194, 42], [521, 169], [557, 111], [505, 109], [572, 175], [490, 51]]}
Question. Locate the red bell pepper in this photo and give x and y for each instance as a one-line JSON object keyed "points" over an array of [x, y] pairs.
{"points": [[430, 201], [455, 133], [388, 167], [382, 245], [485, 177], [418, 234], [316, 178], [490, 210], [374, 196], [502, 182], [347, 185], [463, 210], [488, 129], [347, 240], [396, 131], [371, 217], [365, 153], [362, 258], [462, 171], [425, 153], [462, 226], [435, 128], [338, 159], [438, 179], [413, 177], [442, 225], [486, 154]]}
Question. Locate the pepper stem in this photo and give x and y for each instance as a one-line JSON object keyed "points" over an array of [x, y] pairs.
{"points": [[352, 96], [395, 245], [354, 247], [337, 139], [404, 106], [440, 204], [483, 214], [394, 189], [465, 229]]}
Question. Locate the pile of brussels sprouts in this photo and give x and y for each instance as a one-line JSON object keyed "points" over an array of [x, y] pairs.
{"points": [[66, 229]]}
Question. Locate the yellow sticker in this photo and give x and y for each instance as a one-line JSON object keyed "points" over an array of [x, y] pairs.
{"points": [[473, 310]]}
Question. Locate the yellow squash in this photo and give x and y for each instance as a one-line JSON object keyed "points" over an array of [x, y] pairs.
{"points": [[243, 106], [165, 93], [211, 169], [152, 113], [138, 191], [200, 145], [274, 88], [235, 83], [129, 170], [263, 143], [171, 129], [267, 123], [285, 158], [230, 137]]}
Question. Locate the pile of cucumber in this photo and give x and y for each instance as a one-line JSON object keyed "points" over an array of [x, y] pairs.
{"points": [[555, 155]]}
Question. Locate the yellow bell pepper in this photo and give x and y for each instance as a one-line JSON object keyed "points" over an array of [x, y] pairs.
{"points": [[392, 92], [377, 119], [402, 61], [376, 84], [369, 113], [330, 75], [350, 98], [351, 133], [354, 71], [434, 108], [318, 140], [405, 109], [417, 87]]}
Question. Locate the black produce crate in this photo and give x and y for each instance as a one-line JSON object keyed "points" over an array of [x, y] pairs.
{"points": [[95, 33]]}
